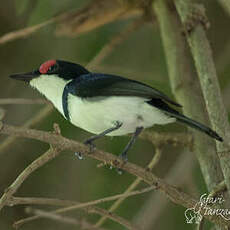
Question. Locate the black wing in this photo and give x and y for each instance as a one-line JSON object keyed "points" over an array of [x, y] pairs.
{"points": [[96, 84]]}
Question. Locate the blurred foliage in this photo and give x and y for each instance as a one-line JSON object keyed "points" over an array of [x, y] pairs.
{"points": [[140, 57]]}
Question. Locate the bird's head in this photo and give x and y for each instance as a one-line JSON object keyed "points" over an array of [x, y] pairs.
{"points": [[53, 69]]}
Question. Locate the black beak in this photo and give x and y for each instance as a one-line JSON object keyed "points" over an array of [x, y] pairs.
{"points": [[27, 77]]}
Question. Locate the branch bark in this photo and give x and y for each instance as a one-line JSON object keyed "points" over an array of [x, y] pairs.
{"points": [[202, 55], [131, 187], [226, 6], [63, 219], [11, 190], [58, 141], [76, 22], [187, 90], [57, 202]]}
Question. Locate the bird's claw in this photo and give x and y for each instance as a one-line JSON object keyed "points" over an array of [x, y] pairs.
{"points": [[91, 145], [79, 155], [124, 158]]}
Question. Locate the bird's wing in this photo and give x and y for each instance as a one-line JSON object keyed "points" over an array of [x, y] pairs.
{"points": [[96, 84]]}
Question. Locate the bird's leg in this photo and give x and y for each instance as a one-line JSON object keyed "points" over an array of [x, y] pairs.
{"points": [[93, 138], [123, 155], [130, 143]]}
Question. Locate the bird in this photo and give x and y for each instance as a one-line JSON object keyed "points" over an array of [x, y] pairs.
{"points": [[105, 104]]}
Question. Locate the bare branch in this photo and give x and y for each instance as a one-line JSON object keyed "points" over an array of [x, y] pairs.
{"points": [[149, 214], [116, 40], [202, 55], [171, 192], [226, 6], [187, 89], [63, 219], [22, 101], [23, 33], [49, 155], [77, 22], [105, 199], [135, 183], [57, 202], [33, 121], [96, 14], [175, 139]]}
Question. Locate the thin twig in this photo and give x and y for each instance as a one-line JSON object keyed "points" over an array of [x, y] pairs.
{"points": [[161, 139], [89, 204], [116, 40], [106, 199], [77, 22], [226, 6], [22, 33], [31, 122], [21, 101], [63, 219], [47, 156], [131, 187], [149, 214], [171, 192], [57, 202]]}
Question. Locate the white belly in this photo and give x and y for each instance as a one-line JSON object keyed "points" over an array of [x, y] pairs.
{"points": [[99, 114]]}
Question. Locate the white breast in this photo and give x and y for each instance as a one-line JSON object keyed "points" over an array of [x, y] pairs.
{"points": [[52, 88], [98, 114]]}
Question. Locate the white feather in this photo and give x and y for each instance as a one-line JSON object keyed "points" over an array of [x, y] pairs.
{"points": [[101, 113]]}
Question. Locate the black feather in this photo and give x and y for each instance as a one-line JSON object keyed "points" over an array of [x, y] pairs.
{"points": [[96, 84], [158, 103]]}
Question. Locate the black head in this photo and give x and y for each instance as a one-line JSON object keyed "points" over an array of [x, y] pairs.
{"points": [[63, 69]]}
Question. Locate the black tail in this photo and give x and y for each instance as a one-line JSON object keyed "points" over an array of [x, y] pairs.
{"points": [[183, 119], [194, 124]]}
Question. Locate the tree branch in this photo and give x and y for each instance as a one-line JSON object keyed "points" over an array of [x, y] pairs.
{"points": [[187, 89], [63, 219], [170, 191], [206, 70], [11, 190], [22, 101], [74, 23], [131, 187], [226, 6], [57, 202]]}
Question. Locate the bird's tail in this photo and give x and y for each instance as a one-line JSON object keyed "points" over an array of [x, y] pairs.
{"points": [[194, 124], [160, 104]]}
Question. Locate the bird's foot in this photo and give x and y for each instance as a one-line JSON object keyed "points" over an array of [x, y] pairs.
{"points": [[124, 158], [91, 145], [79, 155]]}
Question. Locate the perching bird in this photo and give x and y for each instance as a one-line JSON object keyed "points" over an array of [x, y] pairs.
{"points": [[105, 104]]}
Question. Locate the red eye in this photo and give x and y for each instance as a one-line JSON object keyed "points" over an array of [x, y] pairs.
{"points": [[44, 68]]}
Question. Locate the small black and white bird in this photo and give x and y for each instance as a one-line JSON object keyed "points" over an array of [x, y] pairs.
{"points": [[105, 104]]}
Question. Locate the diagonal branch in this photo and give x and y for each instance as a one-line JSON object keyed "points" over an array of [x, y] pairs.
{"points": [[22, 101], [63, 219], [58, 202], [226, 5], [76, 22], [11, 190], [58, 141], [131, 187]]}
